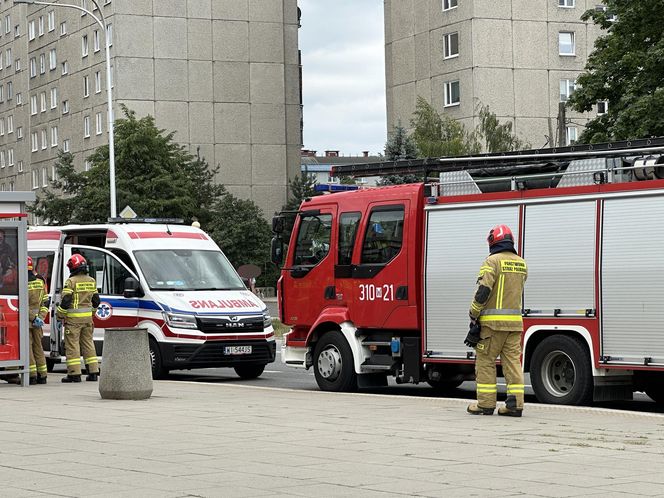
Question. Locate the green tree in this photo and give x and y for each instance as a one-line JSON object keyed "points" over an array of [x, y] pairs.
{"points": [[440, 136], [626, 69], [301, 187], [497, 137], [399, 146], [154, 175], [240, 229]]}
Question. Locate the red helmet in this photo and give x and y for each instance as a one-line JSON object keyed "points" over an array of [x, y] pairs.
{"points": [[75, 262], [498, 234], [30, 267]]}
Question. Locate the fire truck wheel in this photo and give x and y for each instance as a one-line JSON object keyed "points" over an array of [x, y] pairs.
{"points": [[655, 389], [560, 371], [50, 365], [249, 371], [443, 386], [158, 370], [333, 363]]}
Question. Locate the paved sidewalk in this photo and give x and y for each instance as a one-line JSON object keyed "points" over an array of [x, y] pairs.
{"points": [[193, 439]]}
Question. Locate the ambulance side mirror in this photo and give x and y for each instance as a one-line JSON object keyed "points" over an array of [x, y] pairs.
{"points": [[132, 288]]}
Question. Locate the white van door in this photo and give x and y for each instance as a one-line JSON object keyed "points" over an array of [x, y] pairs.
{"points": [[110, 273]]}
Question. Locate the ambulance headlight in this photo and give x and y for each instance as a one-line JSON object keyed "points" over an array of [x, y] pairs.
{"points": [[267, 320], [181, 321]]}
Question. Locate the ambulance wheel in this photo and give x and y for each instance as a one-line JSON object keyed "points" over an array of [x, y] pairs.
{"points": [[50, 365], [249, 371], [560, 371], [158, 370], [333, 363]]}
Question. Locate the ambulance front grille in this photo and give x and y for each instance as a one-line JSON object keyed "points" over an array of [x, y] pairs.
{"points": [[213, 353], [230, 323]]}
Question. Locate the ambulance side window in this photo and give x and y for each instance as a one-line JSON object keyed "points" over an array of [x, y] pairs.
{"points": [[384, 235]]}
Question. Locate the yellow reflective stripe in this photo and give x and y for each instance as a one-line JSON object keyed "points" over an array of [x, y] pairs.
{"points": [[61, 309], [91, 359], [83, 314], [501, 288], [516, 386], [516, 391], [42, 369], [475, 306], [35, 285], [33, 368], [76, 361], [494, 390], [501, 318], [67, 290]]}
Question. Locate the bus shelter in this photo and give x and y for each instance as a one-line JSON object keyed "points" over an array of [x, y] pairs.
{"points": [[14, 327]]}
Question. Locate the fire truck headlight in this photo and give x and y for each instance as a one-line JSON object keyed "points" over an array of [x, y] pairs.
{"points": [[181, 321], [267, 321]]}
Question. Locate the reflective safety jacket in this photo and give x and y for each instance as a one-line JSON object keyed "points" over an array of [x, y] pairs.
{"points": [[79, 299], [497, 301], [37, 297]]}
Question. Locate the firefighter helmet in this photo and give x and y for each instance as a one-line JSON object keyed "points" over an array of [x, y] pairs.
{"points": [[30, 267], [499, 233], [76, 262]]}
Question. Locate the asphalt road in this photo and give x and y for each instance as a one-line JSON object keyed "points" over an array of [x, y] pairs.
{"points": [[281, 376]]}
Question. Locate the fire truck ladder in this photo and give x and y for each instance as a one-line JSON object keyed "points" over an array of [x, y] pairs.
{"points": [[630, 160]]}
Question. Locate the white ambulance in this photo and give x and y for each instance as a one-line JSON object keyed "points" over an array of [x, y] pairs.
{"points": [[172, 280]]}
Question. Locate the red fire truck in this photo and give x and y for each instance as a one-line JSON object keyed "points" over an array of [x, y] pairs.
{"points": [[377, 282]]}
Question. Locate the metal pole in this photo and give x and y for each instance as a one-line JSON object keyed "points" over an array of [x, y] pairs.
{"points": [[109, 94]]}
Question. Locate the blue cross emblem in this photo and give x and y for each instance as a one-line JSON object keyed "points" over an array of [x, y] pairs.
{"points": [[104, 311]]}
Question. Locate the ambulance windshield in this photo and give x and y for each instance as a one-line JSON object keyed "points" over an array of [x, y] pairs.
{"points": [[188, 270]]}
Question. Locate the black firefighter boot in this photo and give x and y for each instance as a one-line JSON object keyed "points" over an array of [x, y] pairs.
{"points": [[92, 377], [71, 378], [510, 409], [41, 379]]}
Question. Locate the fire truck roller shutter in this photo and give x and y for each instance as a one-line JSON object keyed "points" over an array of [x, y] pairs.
{"points": [[455, 249], [632, 284]]}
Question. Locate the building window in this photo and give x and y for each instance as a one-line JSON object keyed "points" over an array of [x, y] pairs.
{"points": [[602, 107], [450, 4], [54, 173], [84, 4], [31, 30], [99, 123], [567, 88], [43, 101], [566, 3], [65, 68], [2, 160], [2, 93], [54, 136], [8, 57], [35, 141], [41, 25], [65, 107], [84, 46], [42, 64], [17, 31], [53, 59], [51, 21], [10, 124], [33, 105], [10, 90], [33, 67], [86, 126], [63, 28], [8, 25], [570, 134], [566, 44], [44, 139], [44, 177], [65, 145], [452, 94], [86, 86], [10, 158], [451, 45], [87, 165], [17, 65], [109, 34], [610, 16], [19, 133], [19, 166], [95, 40], [19, 98], [35, 179], [2, 127], [54, 98], [98, 82]]}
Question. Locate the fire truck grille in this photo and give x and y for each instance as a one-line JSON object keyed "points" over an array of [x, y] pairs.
{"points": [[225, 324], [212, 353]]}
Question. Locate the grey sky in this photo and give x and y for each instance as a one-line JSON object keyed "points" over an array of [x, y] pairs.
{"points": [[343, 59]]}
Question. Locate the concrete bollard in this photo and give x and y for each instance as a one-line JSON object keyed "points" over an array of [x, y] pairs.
{"points": [[126, 371]]}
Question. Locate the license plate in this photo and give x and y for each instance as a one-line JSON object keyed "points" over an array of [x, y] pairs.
{"points": [[237, 350]]}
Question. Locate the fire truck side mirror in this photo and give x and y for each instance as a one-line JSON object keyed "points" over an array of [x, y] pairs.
{"points": [[277, 251], [277, 224], [132, 288]]}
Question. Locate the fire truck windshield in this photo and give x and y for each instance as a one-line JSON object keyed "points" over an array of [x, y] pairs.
{"points": [[188, 270]]}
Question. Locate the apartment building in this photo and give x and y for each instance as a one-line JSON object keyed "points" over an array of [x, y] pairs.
{"points": [[223, 74], [519, 57]]}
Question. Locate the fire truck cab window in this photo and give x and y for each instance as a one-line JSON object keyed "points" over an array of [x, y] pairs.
{"points": [[348, 224], [313, 239], [384, 235]]}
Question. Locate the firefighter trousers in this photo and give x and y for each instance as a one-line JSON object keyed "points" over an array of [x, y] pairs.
{"points": [[507, 345], [78, 339], [37, 359]]}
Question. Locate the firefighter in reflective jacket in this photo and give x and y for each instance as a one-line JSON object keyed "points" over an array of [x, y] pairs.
{"points": [[38, 309], [496, 325], [79, 301]]}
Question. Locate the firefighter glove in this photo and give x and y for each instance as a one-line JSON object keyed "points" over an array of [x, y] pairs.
{"points": [[38, 322], [473, 337]]}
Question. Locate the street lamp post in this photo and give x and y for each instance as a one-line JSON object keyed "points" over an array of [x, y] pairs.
{"points": [[109, 93]]}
